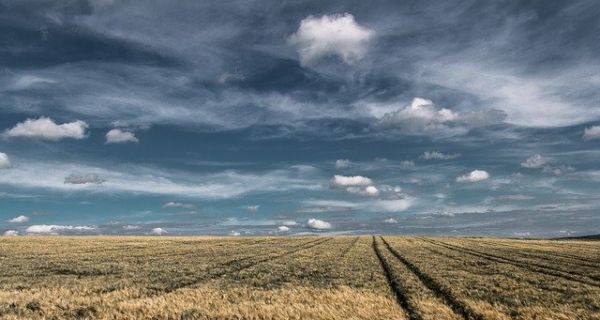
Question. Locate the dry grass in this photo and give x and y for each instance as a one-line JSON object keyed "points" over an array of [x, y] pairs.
{"points": [[298, 278]]}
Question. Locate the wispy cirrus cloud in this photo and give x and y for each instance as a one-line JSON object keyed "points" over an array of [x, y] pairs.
{"points": [[44, 229], [137, 179]]}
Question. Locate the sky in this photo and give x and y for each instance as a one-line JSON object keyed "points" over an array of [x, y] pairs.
{"points": [[246, 118]]}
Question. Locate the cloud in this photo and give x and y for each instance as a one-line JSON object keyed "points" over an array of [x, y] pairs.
{"points": [[138, 179], [119, 136], [347, 181], [252, 208], [355, 184], [407, 164], [47, 129], [331, 35], [27, 81], [514, 197], [234, 233], [321, 209], [371, 191], [75, 178], [474, 176], [390, 220], [131, 227], [19, 219], [394, 205], [423, 117], [227, 77], [283, 229], [289, 223], [318, 224], [4, 161], [435, 155], [159, 231], [179, 205], [476, 70], [558, 170], [591, 133], [535, 161], [342, 163], [531, 99], [56, 229], [391, 201], [317, 206], [11, 233]]}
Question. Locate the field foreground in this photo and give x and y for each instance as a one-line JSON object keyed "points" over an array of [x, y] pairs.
{"points": [[298, 278]]}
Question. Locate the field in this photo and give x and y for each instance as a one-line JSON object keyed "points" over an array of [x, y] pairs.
{"points": [[298, 278]]}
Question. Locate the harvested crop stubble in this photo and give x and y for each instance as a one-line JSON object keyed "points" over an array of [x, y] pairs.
{"points": [[296, 278], [502, 290]]}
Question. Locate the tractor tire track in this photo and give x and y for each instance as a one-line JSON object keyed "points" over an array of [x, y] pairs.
{"points": [[401, 298], [544, 255], [237, 265], [442, 292], [476, 272], [347, 249], [567, 275], [328, 269]]}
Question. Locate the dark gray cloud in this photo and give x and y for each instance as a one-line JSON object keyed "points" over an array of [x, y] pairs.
{"points": [[230, 65], [75, 178]]}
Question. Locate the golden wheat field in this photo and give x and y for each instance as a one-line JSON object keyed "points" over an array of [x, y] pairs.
{"points": [[298, 278]]}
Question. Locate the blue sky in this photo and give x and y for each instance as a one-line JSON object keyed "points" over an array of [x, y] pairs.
{"points": [[344, 117]]}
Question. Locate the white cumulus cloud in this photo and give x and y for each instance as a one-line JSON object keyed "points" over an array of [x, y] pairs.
{"points": [[474, 176], [423, 117], [159, 231], [591, 133], [348, 181], [535, 161], [11, 233], [120, 136], [4, 161], [252, 208], [331, 35], [342, 163], [19, 219], [366, 191], [390, 220], [318, 224], [283, 229], [47, 129]]}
